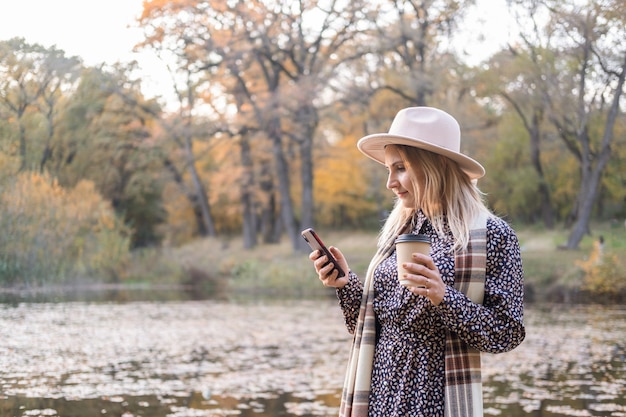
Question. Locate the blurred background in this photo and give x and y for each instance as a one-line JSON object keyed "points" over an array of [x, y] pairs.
{"points": [[159, 154]]}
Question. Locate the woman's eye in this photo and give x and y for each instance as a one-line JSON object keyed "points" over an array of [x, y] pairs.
{"points": [[395, 168]]}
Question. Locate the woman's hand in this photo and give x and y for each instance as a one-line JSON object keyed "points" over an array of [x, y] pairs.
{"points": [[327, 273], [426, 279]]}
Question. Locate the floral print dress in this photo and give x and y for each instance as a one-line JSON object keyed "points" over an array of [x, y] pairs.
{"points": [[408, 370]]}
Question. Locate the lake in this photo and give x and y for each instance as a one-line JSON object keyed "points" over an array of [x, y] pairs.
{"points": [[269, 358]]}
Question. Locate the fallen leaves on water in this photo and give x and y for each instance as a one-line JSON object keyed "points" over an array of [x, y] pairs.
{"points": [[210, 358]]}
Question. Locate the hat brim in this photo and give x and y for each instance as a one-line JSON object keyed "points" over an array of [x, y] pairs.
{"points": [[373, 146]]}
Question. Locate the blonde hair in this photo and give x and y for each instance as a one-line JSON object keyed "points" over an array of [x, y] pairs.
{"points": [[447, 196]]}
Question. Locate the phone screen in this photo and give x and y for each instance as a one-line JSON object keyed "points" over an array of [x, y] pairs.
{"points": [[316, 243]]}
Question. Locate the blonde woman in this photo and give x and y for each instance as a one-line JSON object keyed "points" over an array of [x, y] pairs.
{"points": [[416, 348]]}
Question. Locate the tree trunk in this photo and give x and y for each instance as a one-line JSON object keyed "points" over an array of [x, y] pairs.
{"points": [[202, 200], [547, 211], [47, 150], [191, 197], [591, 178], [306, 218], [533, 127], [269, 212], [247, 195], [22, 137], [585, 200], [308, 118], [284, 185]]}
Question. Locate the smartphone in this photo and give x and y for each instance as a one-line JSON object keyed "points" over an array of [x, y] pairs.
{"points": [[316, 243]]}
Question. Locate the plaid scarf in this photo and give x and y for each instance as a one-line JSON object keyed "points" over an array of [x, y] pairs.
{"points": [[463, 387]]}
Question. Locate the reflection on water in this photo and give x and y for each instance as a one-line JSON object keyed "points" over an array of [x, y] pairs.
{"points": [[210, 358], [166, 406], [571, 364], [103, 293]]}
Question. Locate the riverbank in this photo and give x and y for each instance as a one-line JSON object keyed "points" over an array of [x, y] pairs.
{"points": [[552, 274], [222, 269]]}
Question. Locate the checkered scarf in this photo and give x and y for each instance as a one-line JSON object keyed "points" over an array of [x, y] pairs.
{"points": [[463, 387]]}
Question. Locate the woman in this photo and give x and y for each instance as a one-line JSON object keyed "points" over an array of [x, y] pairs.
{"points": [[416, 350]]}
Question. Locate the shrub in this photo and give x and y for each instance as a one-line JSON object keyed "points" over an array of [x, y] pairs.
{"points": [[52, 234], [604, 276]]}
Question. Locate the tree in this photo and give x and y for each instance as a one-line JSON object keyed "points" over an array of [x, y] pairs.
{"points": [[108, 140], [19, 88], [59, 75], [294, 60], [180, 44], [586, 89], [408, 47], [516, 76], [33, 79], [271, 59]]}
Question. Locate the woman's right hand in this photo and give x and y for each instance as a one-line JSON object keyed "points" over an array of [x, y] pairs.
{"points": [[328, 274]]}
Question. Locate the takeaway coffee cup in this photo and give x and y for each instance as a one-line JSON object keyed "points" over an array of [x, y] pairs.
{"points": [[406, 246]]}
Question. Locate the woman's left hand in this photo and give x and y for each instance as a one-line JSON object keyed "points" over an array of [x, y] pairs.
{"points": [[426, 278]]}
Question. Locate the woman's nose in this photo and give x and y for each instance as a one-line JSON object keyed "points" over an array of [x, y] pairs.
{"points": [[391, 181]]}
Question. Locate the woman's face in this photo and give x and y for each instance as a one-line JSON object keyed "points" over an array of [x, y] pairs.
{"points": [[399, 179]]}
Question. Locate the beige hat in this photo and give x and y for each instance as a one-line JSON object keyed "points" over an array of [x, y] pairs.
{"points": [[426, 128]]}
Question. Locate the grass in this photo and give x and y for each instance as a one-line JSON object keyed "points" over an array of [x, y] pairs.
{"points": [[551, 274], [271, 269]]}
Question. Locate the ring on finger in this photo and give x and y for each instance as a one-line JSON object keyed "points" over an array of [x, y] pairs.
{"points": [[427, 292]]}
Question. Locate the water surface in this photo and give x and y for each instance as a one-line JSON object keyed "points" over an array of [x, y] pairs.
{"points": [[211, 358]]}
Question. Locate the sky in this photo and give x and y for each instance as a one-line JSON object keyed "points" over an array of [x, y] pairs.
{"points": [[96, 31], [102, 31]]}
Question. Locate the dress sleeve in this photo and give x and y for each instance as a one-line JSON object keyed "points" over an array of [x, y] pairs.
{"points": [[497, 325], [350, 300]]}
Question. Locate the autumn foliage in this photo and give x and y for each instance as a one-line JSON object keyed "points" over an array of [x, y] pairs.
{"points": [[55, 234], [604, 274]]}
